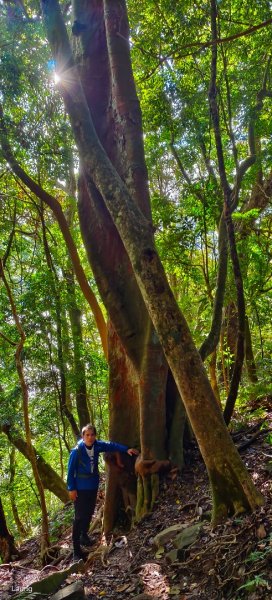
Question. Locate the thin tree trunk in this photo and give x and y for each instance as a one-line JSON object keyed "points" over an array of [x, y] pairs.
{"points": [[20, 526], [213, 377], [250, 360], [240, 345], [224, 360], [229, 202], [79, 367], [25, 397], [58, 317], [212, 340]]}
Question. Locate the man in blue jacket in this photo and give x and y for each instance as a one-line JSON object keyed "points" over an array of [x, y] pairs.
{"points": [[83, 481]]}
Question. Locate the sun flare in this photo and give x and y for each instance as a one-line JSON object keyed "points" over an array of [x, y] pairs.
{"points": [[56, 78]]}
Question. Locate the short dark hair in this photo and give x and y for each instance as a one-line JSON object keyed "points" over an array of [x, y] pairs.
{"points": [[87, 427]]}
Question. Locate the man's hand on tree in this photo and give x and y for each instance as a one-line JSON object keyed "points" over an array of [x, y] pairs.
{"points": [[73, 495], [132, 451]]}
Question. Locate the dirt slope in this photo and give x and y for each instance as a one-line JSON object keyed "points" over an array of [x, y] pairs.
{"points": [[234, 561]]}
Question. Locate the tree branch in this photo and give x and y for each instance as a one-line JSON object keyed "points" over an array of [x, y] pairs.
{"points": [[217, 40], [2, 335]]}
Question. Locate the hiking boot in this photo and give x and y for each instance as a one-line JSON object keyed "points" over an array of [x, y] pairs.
{"points": [[78, 555], [85, 540]]}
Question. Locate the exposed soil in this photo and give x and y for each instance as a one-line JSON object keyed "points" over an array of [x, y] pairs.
{"points": [[233, 561]]}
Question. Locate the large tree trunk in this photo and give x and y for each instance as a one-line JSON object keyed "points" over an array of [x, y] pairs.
{"points": [[124, 426], [115, 109], [232, 487], [8, 550]]}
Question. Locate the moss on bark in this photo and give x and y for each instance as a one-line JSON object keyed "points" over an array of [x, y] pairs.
{"points": [[231, 494]]}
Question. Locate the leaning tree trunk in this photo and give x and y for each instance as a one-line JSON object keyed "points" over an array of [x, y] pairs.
{"points": [[8, 550], [56, 208], [232, 487], [50, 479]]}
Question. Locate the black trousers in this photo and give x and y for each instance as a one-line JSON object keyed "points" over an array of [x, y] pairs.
{"points": [[84, 508]]}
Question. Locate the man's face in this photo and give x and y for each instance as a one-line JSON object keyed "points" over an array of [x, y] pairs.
{"points": [[89, 437]]}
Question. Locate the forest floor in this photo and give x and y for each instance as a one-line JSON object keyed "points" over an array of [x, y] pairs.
{"points": [[232, 561]]}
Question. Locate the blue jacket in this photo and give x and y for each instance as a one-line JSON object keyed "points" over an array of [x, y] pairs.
{"points": [[83, 471]]}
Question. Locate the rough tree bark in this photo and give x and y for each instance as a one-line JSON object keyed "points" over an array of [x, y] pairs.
{"points": [[232, 487]]}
